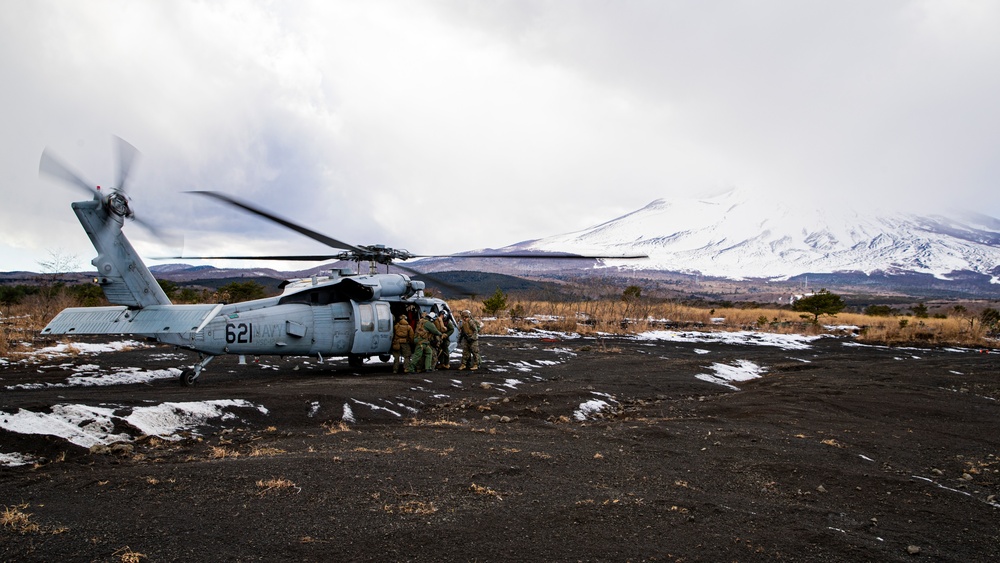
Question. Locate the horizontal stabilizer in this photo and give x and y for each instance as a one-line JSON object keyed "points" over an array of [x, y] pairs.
{"points": [[155, 319]]}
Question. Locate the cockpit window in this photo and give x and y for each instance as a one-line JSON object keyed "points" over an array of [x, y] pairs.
{"points": [[367, 317], [384, 316]]}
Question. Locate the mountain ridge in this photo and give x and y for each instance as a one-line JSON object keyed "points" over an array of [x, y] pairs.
{"points": [[735, 236]]}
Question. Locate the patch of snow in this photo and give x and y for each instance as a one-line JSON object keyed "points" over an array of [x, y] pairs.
{"points": [[607, 396], [413, 410], [848, 328], [348, 415], [744, 337], [82, 425], [167, 419], [538, 333], [743, 370], [126, 376], [88, 426], [589, 409], [66, 349], [375, 407], [15, 459]]}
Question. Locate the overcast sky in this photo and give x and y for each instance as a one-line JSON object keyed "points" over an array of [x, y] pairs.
{"points": [[443, 126]]}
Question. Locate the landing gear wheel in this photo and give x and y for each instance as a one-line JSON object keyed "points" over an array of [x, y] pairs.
{"points": [[355, 361], [384, 357], [188, 377]]}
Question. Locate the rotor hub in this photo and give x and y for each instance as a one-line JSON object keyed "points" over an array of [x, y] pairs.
{"points": [[118, 204]]}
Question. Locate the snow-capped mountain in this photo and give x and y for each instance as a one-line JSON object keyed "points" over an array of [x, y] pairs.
{"points": [[736, 236]]}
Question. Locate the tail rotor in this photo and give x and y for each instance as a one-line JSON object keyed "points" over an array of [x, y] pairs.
{"points": [[115, 200]]}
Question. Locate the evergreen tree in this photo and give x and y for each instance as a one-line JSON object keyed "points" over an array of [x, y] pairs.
{"points": [[631, 293], [822, 303], [236, 292], [494, 304]]}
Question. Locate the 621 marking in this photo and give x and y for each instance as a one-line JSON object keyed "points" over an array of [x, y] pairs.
{"points": [[240, 333]]}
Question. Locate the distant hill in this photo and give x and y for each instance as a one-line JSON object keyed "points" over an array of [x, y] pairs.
{"points": [[187, 272], [484, 284]]}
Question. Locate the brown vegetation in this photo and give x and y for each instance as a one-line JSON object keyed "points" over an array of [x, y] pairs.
{"points": [[620, 317], [21, 322]]}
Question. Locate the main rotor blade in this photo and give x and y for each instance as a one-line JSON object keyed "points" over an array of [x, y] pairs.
{"points": [[321, 257], [126, 156], [54, 167], [436, 280], [302, 258], [545, 256], [329, 241], [172, 240]]}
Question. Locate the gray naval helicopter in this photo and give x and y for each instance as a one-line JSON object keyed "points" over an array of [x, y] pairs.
{"points": [[340, 314]]}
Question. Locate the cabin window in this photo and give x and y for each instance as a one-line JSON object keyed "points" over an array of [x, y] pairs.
{"points": [[367, 317], [384, 317]]}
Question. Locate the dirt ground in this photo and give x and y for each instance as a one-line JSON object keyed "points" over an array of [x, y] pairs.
{"points": [[558, 450]]}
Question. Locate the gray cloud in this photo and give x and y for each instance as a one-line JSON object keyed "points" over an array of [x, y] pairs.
{"points": [[501, 121]]}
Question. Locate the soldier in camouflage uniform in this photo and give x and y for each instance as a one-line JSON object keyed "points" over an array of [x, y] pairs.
{"points": [[426, 331], [470, 337], [402, 337], [447, 328]]}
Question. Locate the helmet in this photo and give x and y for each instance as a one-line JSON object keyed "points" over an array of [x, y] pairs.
{"points": [[402, 317], [466, 313], [432, 315]]}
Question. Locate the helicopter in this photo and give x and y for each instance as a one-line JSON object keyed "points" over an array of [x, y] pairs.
{"points": [[341, 313]]}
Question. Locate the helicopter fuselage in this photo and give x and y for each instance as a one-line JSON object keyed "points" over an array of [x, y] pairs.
{"points": [[338, 314], [313, 318]]}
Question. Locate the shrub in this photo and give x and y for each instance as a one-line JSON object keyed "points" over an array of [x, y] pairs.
{"points": [[518, 312], [631, 293], [878, 311], [990, 318]]}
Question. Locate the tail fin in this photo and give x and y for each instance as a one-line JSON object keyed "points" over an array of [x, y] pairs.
{"points": [[120, 272]]}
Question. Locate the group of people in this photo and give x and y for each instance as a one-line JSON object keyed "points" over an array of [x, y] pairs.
{"points": [[425, 345]]}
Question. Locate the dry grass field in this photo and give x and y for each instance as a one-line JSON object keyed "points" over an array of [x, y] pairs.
{"points": [[22, 322], [619, 317]]}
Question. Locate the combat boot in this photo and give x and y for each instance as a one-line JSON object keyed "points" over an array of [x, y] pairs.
{"points": [[475, 367], [462, 367]]}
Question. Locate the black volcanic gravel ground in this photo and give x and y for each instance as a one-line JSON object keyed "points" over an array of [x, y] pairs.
{"points": [[839, 452]]}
